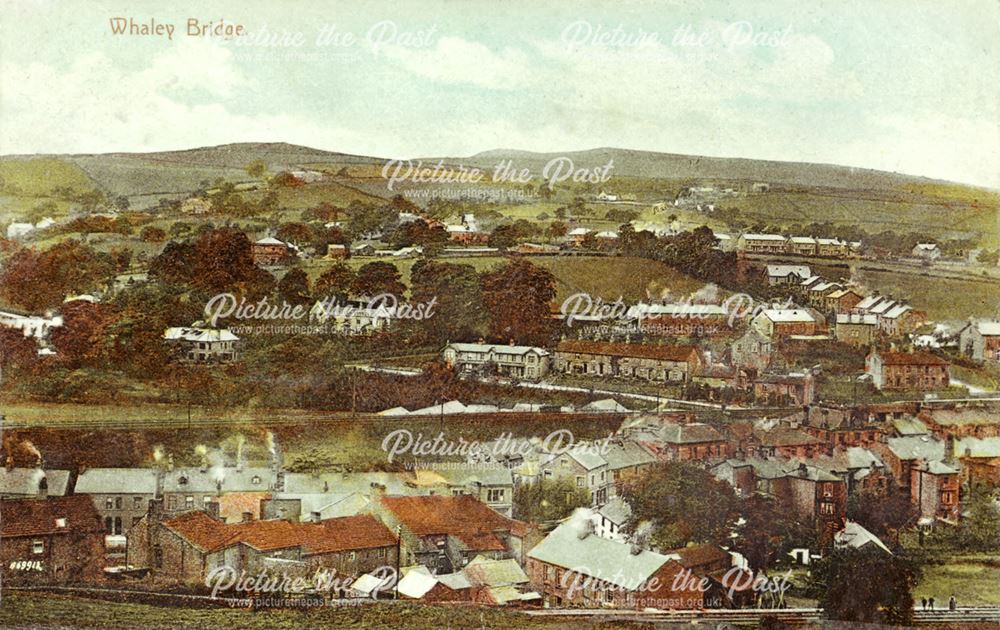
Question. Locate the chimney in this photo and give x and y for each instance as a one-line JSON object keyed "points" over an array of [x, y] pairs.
{"points": [[43, 487], [803, 470], [204, 464], [10, 463], [170, 462], [586, 530], [279, 481], [247, 517], [314, 517], [949, 449], [634, 549]]}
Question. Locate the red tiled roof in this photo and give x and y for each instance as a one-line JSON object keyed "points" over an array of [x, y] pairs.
{"points": [[41, 517], [201, 530], [700, 555], [464, 517], [338, 534], [911, 358], [640, 351]]}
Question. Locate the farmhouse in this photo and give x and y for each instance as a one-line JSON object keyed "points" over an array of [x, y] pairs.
{"points": [[198, 344], [907, 370], [981, 340], [781, 322]]}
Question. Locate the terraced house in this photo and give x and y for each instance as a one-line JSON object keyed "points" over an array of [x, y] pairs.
{"points": [[673, 364]]}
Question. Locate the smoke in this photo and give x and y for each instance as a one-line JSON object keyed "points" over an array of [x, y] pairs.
{"points": [[31, 449], [240, 441], [708, 294], [201, 450], [272, 446], [158, 453]]}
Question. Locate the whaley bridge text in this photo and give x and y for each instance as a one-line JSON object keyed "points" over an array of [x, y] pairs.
{"points": [[193, 28]]}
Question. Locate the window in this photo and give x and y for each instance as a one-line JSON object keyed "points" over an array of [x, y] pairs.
{"points": [[137, 502], [37, 546], [381, 552], [495, 495], [206, 499], [108, 525], [580, 482], [826, 509], [109, 504], [158, 557], [118, 525], [189, 501], [171, 502], [118, 503], [255, 480], [353, 556]]}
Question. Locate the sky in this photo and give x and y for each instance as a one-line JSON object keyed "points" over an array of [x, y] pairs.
{"points": [[907, 86]]}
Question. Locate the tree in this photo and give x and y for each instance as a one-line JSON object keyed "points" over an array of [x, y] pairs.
{"points": [[455, 290], [768, 530], [684, 503], [257, 169], [16, 351], [980, 530], [37, 281], [298, 233], [335, 282], [882, 513], [152, 234], [517, 298], [504, 236], [548, 500], [82, 339], [376, 278], [866, 585], [294, 287], [364, 220]]}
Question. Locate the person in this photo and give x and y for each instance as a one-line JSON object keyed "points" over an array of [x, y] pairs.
{"points": [[923, 603], [952, 603], [930, 602]]}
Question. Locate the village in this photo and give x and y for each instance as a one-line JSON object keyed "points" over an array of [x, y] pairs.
{"points": [[761, 429]]}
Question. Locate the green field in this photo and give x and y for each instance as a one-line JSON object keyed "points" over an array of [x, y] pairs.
{"points": [[609, 277], [941, 298], [40, 610], [972, 583]]}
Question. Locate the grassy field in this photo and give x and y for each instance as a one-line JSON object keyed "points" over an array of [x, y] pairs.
{"points": [[606, 277], [935, 212], [941, 298], [972, 583], [39, 610]]}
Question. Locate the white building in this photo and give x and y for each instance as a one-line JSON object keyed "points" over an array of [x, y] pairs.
{"points": [[518, 361]]}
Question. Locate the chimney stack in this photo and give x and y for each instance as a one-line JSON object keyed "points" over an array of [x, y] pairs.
{"points": [[314, 517]]}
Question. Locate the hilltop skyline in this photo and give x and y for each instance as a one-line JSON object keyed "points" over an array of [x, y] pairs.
{"points": [[855, 86]]}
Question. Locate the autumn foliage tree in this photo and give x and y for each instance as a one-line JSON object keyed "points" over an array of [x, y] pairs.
{"points": [[39, 280], [376, 278], [517, 298], [83, 338]]}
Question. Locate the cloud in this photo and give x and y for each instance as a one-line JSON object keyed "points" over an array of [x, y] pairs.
{"points": [[455, 60]]}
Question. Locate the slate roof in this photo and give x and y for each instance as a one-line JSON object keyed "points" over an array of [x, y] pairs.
{"points": [[916, 447], [483, 571], [116, 481], [693, 433], [597, 557], [233, 480], [24, 481]]}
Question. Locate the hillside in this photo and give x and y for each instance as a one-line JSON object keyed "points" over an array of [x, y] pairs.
{"points": [[799, 193]]}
